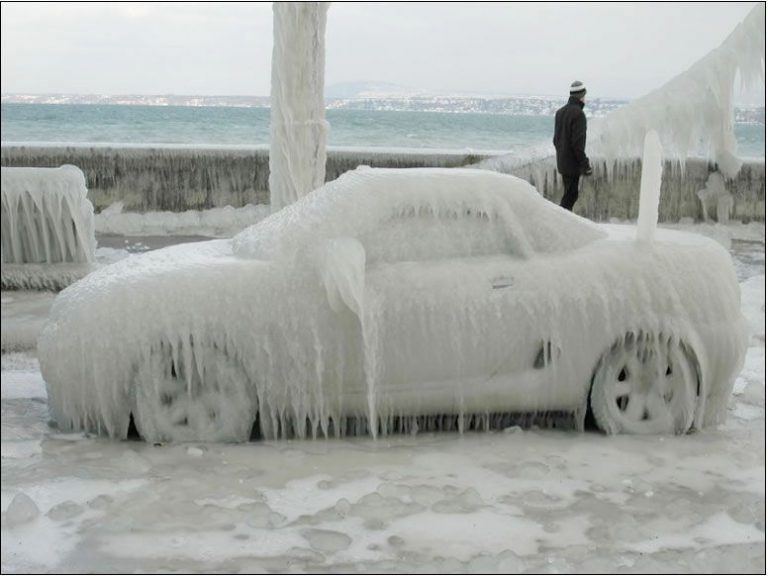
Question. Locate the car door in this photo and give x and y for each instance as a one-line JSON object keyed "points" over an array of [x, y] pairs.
{"points": [[439, 309]]}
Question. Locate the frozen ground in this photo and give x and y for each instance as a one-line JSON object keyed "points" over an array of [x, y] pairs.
{"points": [[513, 501]]}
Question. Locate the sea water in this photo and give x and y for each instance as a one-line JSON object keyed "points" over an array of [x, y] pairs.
{"points": [[135, 124]]}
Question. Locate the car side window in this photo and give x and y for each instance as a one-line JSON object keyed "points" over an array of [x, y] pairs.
{"points": [[415, 235]]}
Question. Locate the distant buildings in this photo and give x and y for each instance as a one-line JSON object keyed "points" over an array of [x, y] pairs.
{"points": [[514, 105]]}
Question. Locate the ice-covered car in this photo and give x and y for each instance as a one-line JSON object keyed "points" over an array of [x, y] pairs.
{"points": [[391, 299]]}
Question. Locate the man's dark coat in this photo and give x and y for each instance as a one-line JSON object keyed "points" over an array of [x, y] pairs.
{"points": [[571, 138]]}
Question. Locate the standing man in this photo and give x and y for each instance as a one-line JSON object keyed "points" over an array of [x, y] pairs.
{"points": [[570, 140]]}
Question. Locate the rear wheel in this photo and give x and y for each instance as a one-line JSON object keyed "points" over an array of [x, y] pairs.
{"points": [[645, 385], [204, 397]]}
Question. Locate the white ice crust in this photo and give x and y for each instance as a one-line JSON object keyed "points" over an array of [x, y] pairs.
{"points": [[46, 216], [380, 302]]}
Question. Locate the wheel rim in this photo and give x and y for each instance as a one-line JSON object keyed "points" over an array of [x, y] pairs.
{"points": [[646, 386], [193, 400]]}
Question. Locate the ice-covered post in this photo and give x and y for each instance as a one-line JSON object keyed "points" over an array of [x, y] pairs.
{"points": [[46, 216], [298, 127], [650, 187]]}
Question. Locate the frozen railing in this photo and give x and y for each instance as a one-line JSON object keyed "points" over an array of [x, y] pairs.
{"points": [[46, 216], [176, 179]]}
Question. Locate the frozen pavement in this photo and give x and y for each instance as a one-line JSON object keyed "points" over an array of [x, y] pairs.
{"points": [[514, 501]]}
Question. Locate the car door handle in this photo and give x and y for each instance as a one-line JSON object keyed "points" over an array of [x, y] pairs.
{"points": [[502, 282]]}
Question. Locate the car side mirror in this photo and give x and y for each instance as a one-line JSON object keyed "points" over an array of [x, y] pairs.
{"points": [[342, 270]]}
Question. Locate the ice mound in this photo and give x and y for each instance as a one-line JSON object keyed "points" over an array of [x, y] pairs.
{"points": [[21, 510], [327, 541], [387, 301], [46, 216]]}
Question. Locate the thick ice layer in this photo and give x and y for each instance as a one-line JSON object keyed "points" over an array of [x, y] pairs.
{"points": [[694, 107], [46, 216], [298, 130], [388, 300]]}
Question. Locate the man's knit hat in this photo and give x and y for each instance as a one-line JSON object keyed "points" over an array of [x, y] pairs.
{"points": [[578, 87]]}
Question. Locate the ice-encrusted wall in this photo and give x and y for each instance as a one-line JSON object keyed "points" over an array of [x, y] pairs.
{"points": [[613, 190], [178, 179], [158, 178], [183, 178]]}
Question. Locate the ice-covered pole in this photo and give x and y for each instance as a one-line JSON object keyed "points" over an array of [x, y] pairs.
{"points": [[650, 187], [298, 127]]}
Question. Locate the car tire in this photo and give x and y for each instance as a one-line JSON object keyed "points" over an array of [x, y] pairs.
{"points": [[204, 399], [645, 384]]}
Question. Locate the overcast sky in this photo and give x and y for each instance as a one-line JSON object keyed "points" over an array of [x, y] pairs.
{"points": [[617, 49]]}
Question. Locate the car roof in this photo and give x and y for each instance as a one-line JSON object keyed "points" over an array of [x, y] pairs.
{"points": [[362, 199]]}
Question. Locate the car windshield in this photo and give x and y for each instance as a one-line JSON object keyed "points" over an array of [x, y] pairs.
{"points": [[429, 212], [426, 236]]}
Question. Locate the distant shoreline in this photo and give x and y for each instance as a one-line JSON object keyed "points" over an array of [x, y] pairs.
{"points": [[506, 106], [526, 133]]}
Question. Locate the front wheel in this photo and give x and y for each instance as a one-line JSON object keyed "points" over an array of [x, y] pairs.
{"points": [[645, 385], [200, 395]]}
